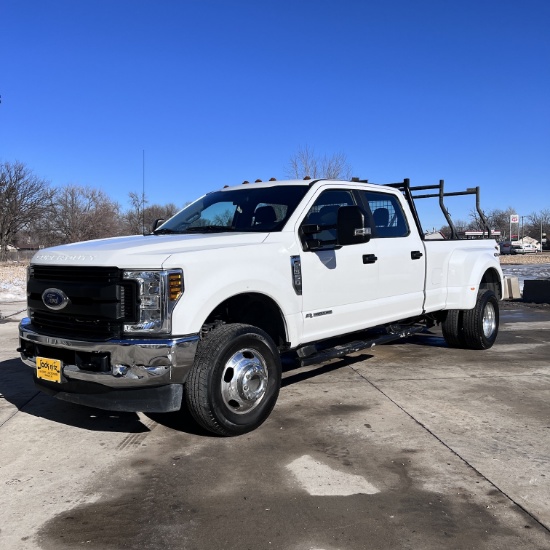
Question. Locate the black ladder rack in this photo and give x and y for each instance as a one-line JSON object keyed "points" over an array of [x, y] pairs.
{"points": [[411, 194]]}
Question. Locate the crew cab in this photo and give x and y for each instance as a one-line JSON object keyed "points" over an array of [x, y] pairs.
{"points": [[201, 310]]}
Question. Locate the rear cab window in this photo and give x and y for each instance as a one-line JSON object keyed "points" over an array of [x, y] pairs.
{"points": [[387, 216]]}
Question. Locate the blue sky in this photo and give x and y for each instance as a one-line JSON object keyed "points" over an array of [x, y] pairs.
{"points": [[218, 91]]}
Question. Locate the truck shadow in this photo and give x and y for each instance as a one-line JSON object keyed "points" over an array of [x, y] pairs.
{"points": [[305, 373], [181, 421], [19, 394], [17, 388], [430, 339]]}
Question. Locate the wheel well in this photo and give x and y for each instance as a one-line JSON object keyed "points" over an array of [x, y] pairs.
{"points": [[252, 309], [491, 280]]}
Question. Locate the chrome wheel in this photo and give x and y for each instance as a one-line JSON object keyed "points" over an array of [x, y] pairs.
{"points": [[235, 380], [244, 381], [480, 324], [489, 320]]}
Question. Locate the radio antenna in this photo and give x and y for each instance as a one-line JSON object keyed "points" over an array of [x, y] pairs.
{"points": [[143, 194]]}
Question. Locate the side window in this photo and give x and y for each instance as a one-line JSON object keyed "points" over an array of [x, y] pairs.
{"points": [[387, 215], [324, 213], [268, 215]]}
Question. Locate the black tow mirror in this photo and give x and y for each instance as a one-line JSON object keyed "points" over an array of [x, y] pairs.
{"points": [[351, 226], [310, 229], [157, 223]]}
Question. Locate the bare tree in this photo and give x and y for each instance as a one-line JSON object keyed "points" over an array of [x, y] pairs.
{"points": [[134, 217], [460, 226], [538, 223], [497, 220], [535, 224], [80, 214], [139, 218], [23, 198], [306, 163]]}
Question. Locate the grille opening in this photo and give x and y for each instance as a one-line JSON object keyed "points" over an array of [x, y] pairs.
{"points": [[100, 301]]}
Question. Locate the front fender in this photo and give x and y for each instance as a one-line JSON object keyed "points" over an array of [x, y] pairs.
{"points": [[212, 279]]}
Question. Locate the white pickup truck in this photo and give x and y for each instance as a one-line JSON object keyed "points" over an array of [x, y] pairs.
{"points": [[202, 309]]}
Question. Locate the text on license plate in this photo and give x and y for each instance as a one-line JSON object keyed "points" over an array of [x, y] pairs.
{"points": [[48, 369]]}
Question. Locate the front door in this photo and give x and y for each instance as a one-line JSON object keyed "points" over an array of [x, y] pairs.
{"points": [[352, 287]]}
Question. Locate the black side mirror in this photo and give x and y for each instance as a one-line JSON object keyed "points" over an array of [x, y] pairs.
{"points": [[156, 224], [351, 226], [310, 229]]}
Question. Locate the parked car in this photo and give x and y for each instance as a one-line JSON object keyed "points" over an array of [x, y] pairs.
{"points": [[505, 248], [525, 248], [530, 248]]}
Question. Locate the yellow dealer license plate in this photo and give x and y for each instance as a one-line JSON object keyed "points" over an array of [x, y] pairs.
{"points": [[48, 369]]}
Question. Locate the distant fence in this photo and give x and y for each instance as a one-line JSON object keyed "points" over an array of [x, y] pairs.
{"points": [[23, 256]]}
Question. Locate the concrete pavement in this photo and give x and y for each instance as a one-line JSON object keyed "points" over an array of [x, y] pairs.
{"points": [[411, 445]]}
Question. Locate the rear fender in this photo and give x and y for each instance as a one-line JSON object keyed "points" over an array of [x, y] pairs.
{"points": [[468, 272]]}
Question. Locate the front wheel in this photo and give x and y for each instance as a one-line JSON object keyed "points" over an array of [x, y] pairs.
{"points": [[235, 380]]}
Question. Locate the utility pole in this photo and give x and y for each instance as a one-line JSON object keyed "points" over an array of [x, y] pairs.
{"points": [[521, 232]]}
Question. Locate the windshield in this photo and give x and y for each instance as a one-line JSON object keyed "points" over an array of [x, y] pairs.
{"points": [[249, 209]]}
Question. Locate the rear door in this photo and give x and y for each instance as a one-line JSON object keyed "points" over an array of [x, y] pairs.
{"points": [[400, 256]]}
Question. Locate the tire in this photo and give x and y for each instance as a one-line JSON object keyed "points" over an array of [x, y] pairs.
{"points": [[480, 324], [452, 328], [235, 380]]}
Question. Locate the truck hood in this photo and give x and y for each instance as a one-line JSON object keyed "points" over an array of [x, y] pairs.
{"points": [[140, 251]]}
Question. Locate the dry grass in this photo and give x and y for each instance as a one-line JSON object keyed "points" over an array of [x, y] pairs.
{"points": [[525, 259], [12, 273]]}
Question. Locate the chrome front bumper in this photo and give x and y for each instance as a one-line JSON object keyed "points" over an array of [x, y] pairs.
{"points": [[134, 363]]}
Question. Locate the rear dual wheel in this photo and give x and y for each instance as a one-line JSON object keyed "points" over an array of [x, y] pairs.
{"points": [[475, 328], [235, 380]]}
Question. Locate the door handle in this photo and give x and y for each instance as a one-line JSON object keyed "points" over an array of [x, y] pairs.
{"points": [[416, 255], [369, 258]]}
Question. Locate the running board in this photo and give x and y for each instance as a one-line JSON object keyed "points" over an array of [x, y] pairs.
{"points": [[357, 345]]}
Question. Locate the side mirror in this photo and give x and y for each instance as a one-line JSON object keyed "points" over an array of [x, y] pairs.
{"points": [[351, 226], [156, 224], [310, 229]]}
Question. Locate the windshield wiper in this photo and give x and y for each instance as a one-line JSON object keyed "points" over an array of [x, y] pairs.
{"points": [[208, 229]]}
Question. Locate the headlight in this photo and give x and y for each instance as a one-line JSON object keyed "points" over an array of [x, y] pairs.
{"points": [[158, 294]]}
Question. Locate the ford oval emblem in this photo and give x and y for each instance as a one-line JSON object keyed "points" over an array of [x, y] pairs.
{"points": [[54, 298]]}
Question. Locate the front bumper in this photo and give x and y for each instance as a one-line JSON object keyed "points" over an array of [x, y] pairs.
{"points": [[130, 367]]}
